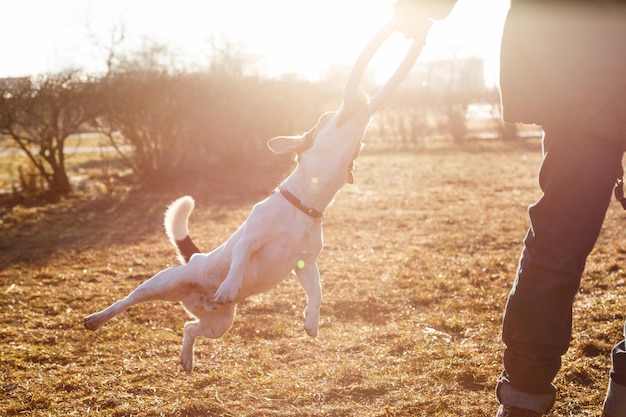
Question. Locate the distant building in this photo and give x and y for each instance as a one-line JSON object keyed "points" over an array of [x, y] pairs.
{"points": [[464, 75]]}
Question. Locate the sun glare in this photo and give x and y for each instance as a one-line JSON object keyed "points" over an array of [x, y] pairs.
{"points": [[283, 36], [308, 37]]}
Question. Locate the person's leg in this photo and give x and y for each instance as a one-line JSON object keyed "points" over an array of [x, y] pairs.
{"points": [[577, 178], [615, 403]]}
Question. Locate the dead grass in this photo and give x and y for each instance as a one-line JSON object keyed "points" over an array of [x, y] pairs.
{"points": [[420, 254]]}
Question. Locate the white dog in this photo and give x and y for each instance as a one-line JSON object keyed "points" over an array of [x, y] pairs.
{"points": [[283, 233]]}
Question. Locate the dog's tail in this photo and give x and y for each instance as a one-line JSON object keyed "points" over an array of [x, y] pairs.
{"points": [[176, 220]]}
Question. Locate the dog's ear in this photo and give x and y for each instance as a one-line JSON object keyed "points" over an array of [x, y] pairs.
{"points": [[284, 144]]}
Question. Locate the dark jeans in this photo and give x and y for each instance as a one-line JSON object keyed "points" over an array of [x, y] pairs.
{"points": [[577, 177]]}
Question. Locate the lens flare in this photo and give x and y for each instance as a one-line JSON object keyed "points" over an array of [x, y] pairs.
{"points": [[314, 184], [300, 264]]}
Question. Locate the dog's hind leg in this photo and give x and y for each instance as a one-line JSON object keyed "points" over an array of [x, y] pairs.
{"points": [[163, 286], [309, 277], [213, 324]]}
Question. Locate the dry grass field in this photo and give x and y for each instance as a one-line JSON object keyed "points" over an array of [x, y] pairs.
{"points": [[420, 255]]}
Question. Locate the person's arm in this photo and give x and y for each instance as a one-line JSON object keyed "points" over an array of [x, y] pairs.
{"points": [[414, 17]]}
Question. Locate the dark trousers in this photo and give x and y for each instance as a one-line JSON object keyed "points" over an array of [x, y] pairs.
{"points": [[577, 177]]}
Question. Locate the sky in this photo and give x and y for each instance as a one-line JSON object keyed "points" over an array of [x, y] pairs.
{"points": [[282, 36]]}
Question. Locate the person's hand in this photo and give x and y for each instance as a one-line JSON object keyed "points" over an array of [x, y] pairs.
{"points": [[414, 17]]}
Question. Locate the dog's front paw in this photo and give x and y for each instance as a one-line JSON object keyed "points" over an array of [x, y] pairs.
{"points": [[226, 294]]}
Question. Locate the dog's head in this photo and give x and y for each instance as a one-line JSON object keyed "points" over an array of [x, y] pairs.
{"points": [[333, 144]]}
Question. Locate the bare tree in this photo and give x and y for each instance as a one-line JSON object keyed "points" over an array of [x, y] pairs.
{"points": [[453, 85], [111, 48], [230, 59], [176, 121], [152, 111], [39, 114]]}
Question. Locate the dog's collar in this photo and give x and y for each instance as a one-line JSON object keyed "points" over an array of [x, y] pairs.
{"points": [[298, 204]]}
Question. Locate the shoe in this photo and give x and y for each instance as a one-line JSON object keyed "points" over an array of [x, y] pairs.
{"points": [[510, 411]]}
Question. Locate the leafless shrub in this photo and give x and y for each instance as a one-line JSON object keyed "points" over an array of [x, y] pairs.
{"points": [[39, 114]]}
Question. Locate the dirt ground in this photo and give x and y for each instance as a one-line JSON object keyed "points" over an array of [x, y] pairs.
{"points": [[419, 257]]}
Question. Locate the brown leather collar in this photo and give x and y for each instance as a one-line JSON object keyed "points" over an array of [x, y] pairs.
{"points": [[298, 204]]}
